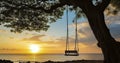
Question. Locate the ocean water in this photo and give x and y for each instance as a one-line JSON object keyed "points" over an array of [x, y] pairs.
{"points": [[46, 57]]}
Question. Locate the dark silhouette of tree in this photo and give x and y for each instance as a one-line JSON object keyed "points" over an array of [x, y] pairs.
{"points": [[36, 15]]}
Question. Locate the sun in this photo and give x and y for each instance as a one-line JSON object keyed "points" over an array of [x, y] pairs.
{"points": [[35, 48]]}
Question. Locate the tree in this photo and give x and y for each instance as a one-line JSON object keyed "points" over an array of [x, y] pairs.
{"points": [[31, 15]]}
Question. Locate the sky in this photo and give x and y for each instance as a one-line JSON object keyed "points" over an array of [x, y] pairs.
{"points": [[54, 40]]}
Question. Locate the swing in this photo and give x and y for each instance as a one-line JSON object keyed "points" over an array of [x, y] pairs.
{"points": [[69, 52]]}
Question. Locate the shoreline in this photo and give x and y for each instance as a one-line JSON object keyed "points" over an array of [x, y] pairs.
{"points": [[76, 61], [50, 61]]}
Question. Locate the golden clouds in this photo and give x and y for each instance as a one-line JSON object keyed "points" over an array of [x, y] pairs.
{"points": [[45, 43], [82, 35], [2, 31], [82, 45], [13, 50], [33, 38], [86, 39], [51, 44]]}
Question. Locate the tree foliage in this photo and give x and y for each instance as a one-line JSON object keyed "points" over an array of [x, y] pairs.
{"points": [[20, 15], [116, 4], [114, 7]]}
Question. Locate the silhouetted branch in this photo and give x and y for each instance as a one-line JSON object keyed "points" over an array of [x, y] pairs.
{"points": [[101, 6]]}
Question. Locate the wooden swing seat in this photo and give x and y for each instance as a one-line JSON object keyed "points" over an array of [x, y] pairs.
{"points": [[71, 53]]}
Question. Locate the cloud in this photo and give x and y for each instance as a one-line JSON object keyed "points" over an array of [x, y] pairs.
{"points": [[6, 49], [113, 23], [113, 19], [13, 50], [85, 33], [33, 38], [2, 30], [11, 37], [63, 39], [44, 41], [82, 45], [85, 36]]}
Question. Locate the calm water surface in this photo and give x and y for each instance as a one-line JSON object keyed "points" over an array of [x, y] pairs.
{"points": [[46, 57]]}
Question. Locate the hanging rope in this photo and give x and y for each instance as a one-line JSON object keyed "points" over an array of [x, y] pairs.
{"points": [[67, 38], [76, 35]]}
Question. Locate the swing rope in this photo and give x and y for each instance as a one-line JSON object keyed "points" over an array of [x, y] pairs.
{"points": [[67, 38], [76, 35]]}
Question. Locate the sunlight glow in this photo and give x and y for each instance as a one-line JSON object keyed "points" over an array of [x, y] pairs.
{"points": [[34, 48]]}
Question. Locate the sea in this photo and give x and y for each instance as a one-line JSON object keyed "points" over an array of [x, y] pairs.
{"points": [[46, 57]]}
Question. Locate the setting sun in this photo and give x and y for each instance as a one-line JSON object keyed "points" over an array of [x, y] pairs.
{"points": [[34, 48]]}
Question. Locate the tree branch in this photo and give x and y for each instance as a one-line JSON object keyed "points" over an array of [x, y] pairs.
{"points": [[103, 5]]}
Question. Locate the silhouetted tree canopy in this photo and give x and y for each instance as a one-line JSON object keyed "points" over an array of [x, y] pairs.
{"points": [[36, 15], [116, 3]]}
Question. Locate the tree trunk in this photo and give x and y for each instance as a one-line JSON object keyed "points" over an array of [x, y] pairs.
{"points": [[109, 46]]}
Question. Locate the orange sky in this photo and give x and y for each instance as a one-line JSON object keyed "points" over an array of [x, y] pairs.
{"points": [[19, 43]]}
